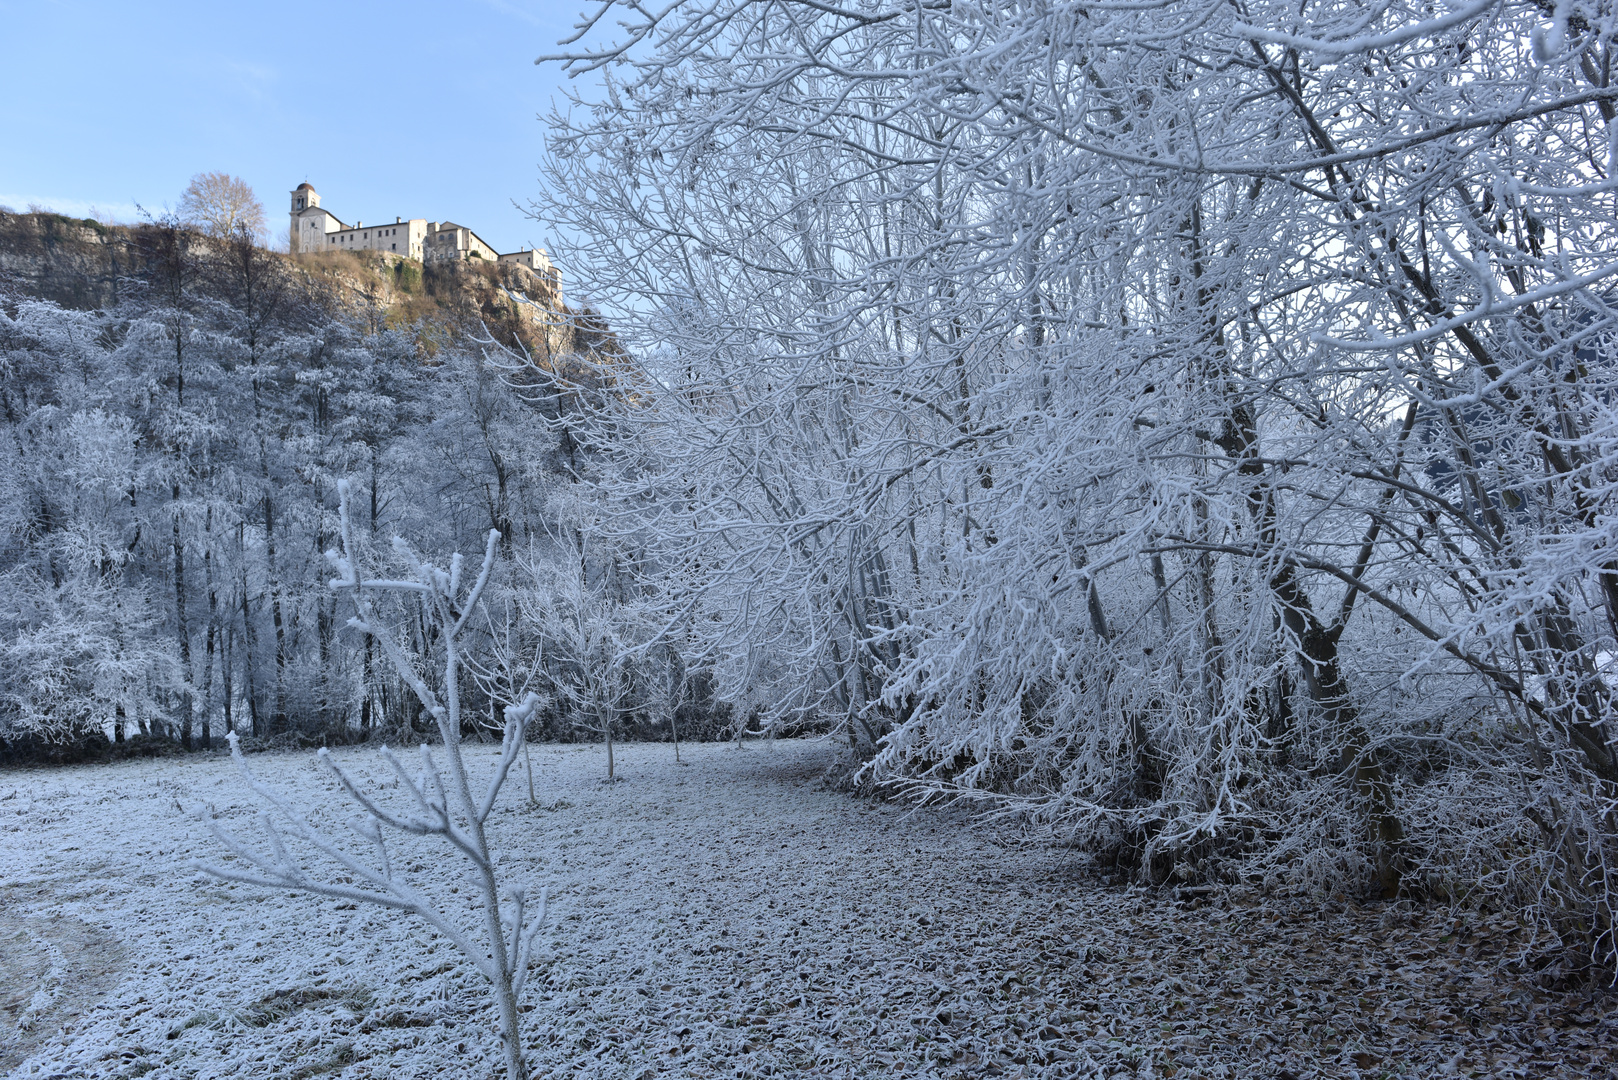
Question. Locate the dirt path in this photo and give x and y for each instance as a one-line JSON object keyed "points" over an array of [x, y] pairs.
{"points": [[53, 969], [730, 918]]}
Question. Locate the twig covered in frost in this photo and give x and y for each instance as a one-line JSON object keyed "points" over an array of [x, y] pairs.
{"points": [[443, 802]]}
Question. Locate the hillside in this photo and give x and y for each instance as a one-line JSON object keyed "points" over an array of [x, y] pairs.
{"points": [[84, 264], [177, 414]]}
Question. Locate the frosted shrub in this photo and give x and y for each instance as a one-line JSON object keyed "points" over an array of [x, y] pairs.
{"points": [[441, 794]]}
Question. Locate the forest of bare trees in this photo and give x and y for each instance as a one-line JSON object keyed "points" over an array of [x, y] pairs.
{"points": [[1187, 424], [169, 490]]}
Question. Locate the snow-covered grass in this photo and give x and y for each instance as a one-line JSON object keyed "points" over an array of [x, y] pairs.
{"points": [[735, 917]]}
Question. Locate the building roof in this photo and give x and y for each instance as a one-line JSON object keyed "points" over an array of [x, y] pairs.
{"points": [[435, 227], [376, 228], [311, 210]]}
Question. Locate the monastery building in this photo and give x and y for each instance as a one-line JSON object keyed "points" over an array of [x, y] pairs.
{"points": [[316, 229]]}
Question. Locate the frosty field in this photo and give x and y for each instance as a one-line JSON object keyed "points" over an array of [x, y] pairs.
{"points": [[734, 917]]}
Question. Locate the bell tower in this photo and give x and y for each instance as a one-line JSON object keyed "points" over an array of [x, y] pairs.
{"points": [[304, 199]]}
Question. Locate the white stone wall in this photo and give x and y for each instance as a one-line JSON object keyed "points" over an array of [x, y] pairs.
{"points": [[371, 238], [537, 261], [311, 227], [394, 237]]}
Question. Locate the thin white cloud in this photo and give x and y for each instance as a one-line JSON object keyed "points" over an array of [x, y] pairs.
{"points": [[262, 73], [79, 208], [253, 80], [516, 11]]}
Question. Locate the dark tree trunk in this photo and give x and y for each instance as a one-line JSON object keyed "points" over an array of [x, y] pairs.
{"points": [[278, 718], [1323, 678], [187, 706], [250, 641], [227, 660], [207, 692]]}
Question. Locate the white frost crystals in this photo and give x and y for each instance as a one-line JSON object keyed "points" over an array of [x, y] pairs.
{"points": [[442, 805]]}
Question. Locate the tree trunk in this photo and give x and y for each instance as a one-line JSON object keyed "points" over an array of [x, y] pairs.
{"points": [[186, 704], [207, 692], [1322, 675], [367, 693], [250, 643], [227, 657], [278, 718], [213, 630]]}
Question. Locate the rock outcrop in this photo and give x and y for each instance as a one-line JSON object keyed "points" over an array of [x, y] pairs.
{"points": [[86, 264], [77, 263]]}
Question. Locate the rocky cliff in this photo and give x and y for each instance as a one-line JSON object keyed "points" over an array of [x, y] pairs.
{"points": [[86, 264], [77, 263]]}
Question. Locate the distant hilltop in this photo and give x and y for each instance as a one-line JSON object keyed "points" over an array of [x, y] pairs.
{"points": [[316, 229], [87, 264]]}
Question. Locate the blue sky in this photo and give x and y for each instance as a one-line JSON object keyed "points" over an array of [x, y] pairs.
{"points": [[412, 108]]}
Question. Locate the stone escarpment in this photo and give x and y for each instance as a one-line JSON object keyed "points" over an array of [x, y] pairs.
{"points": [[77, 263], [450, 300], [86, 264]]}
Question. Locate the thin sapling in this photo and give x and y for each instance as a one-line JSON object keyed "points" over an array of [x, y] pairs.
{"points": [[442, 796]]}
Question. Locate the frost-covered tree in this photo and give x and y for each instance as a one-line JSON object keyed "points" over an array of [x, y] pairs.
{"points": [[590, 639], [1190, 424], [222, 205]]}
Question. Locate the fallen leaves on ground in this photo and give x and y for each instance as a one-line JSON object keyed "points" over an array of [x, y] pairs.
{"points": [[740, 919]]}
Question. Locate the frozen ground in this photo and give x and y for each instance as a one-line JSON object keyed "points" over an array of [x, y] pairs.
{"points": [[730, 918]]}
